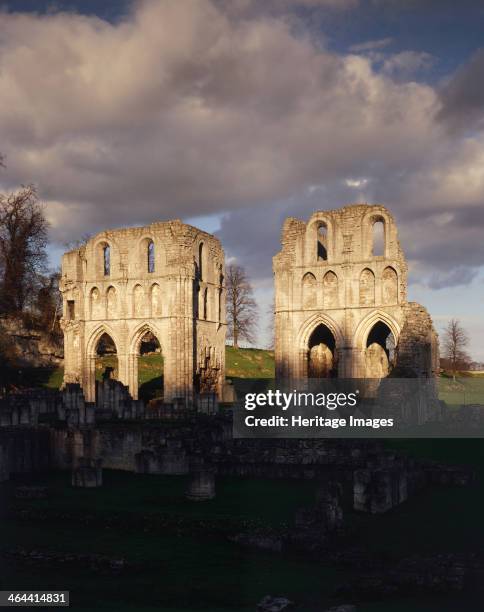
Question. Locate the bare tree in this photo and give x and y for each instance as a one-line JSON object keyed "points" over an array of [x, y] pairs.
{"points": [[48, 303], [241, 307], [455, 341], [23, 240]]}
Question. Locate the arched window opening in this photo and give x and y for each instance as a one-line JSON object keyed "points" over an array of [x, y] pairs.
{"points": [[151, 256], [71, 310], [107, 260], [96, 307], [196, 299], [150, 369], [106, 358], [220, 293], [205, 304], [380, 351], [156, 305], [138, 301], [330, 290], [389, 286], [309, 291], [322, 244], [200, 261], [111, 303], [378, 230], [322, 353], [367, 288]]}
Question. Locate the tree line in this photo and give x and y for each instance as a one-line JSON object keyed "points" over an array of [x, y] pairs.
{"points": [[28, 290]]}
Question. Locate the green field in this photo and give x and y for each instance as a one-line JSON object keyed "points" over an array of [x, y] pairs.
{"points": [[468, 388], [248, 366]]}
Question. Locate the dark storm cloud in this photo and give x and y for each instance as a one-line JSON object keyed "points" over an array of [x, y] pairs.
{"points": [[183, 109], [463, 96]]}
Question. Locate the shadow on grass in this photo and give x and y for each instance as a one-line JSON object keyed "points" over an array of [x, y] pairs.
{"points": [[28, 378]]}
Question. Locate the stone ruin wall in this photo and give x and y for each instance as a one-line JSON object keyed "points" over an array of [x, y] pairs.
{"points": [[166, 279], [333, 294]]}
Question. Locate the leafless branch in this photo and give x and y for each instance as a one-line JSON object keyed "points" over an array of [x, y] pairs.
{"points": [[455, 341], [241, 307]]}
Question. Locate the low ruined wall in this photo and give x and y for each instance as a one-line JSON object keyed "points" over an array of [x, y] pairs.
{"points": [[25, 450]]}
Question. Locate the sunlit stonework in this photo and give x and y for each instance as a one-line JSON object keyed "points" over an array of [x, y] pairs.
{"points": [[341, 304], [166, 281]]}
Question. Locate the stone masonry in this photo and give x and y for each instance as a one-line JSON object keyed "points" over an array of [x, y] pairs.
{"points": [[165, 280], [341, 300]]}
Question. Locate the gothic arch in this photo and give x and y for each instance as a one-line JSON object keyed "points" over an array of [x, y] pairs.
{"points": [[156, 305], [138, 301], [96, 304], [312, 323], [309, 291], [134, 351], [142, 251], [366, 325], [137, 336], [389, 285], [103, 242], [95, 336], [367, 287], [368, 222], [312, 237], [330, 290], [111, 302]]}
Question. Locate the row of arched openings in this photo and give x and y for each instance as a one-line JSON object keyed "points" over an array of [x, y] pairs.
{"points": [[150, 364], [108, 306], [330, 290], [379, 356], [150, 260], [389, 287], [377, 239], [203, 307], [367, 288]]}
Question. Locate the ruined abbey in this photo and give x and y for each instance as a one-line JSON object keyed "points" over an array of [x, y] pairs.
{"points": [[164, 282], [341, 304]]}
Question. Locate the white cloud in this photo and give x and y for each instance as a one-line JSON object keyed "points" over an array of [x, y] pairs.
{"points": [[178, 110], [406, 64], [182, 110]]}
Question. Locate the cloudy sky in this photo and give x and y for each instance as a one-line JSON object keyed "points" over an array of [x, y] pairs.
{"points": [[235, 114]]}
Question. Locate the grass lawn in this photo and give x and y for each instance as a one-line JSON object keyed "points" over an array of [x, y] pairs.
{"points": [[247, 367], [468, 388]]}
